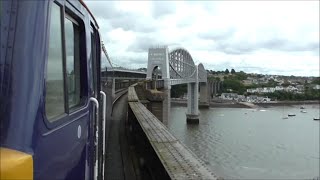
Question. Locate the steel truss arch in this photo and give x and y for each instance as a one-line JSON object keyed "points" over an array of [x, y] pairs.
{"points": [[181, 64]]}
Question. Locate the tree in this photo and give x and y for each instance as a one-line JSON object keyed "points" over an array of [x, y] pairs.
{"points": [[315, 81], [143, 69], [233, 71], [226, 71], [178, 91], [241, 75]]}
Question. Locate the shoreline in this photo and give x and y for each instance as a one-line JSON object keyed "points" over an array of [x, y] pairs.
{"points": [[183, 103], [288, 103]]}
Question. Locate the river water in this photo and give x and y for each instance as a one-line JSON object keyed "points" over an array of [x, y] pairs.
{"points": [[253, 143]]}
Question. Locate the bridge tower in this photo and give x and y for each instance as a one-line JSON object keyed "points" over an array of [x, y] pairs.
{"points": [[159, 57]]}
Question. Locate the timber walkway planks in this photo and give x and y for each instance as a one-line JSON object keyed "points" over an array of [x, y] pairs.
{"points": [[132, 95], [177, 159]]}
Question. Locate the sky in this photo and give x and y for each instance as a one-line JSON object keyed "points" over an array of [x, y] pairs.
{"points": [[265, 37]]}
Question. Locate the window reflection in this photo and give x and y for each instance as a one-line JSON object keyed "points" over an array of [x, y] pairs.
{"points": [[73, 62], [54, 80]]}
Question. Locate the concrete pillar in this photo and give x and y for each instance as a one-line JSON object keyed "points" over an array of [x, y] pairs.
{"points": [[166, 101], [204, 100], [215, 88], [193, 109], [210, 92], [166, 104], [113, 90], [193, 100]]}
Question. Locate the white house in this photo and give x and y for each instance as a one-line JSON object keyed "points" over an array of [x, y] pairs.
{"points": [[316, 86], [279, 88]]}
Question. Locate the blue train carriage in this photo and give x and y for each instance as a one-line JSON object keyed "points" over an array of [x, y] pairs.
{"points": [[52, 107]]}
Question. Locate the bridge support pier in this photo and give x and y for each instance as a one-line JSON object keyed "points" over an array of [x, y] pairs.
{"points": [[166, 104], [204, 100], [193, 109], [113, 90]]}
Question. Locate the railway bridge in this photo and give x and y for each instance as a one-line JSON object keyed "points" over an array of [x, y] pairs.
{"points": [[140, 145], [178, 67]]}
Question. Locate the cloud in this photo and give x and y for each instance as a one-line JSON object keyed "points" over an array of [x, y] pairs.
{"points": [[255, 36], [163, 8]]}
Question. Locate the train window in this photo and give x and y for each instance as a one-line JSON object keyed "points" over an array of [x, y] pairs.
{"points": [[55, 104], [72, 61], [93, 61]]}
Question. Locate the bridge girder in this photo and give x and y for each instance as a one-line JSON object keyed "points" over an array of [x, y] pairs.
{"points": [[181, 64], [183, 67]]}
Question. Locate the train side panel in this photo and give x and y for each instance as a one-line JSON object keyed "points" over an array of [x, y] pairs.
{"points": [[46, 82]]}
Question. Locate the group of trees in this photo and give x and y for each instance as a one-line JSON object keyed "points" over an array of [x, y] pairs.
{"points": [[178, 91], [316, 81], [227, 71], [311, 94], [222, 72], [143, 69], [234, 82]]}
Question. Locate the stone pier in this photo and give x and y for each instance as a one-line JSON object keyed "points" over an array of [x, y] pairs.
{"points": [[204, 99], [193, 102]]}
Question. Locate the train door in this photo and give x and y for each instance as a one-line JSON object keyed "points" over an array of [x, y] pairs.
{"points": [[61, 146], [97, 113]]}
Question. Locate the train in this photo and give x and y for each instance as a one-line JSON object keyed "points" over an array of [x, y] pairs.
{"points": [[53, 108]]}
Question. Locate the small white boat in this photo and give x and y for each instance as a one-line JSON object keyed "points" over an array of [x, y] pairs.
{"points": [[303, 111]]}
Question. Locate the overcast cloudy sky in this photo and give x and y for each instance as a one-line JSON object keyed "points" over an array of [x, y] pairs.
{"points": [[267, 37]]}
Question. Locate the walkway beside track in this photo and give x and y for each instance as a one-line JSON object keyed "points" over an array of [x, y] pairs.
{"points": [[118, 163]]}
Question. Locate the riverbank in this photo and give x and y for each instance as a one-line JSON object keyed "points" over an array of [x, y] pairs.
{"points": [[184, 103], [230, 104], [288, 103]]}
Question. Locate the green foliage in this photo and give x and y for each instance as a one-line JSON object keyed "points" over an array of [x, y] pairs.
{"points": [[226, 71], [271, 83], [214, 78], [178, 91], [240, 75], [252, 86], [316, 81], [283, 95], [143, 69], [233, 71], [234, 84]]}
